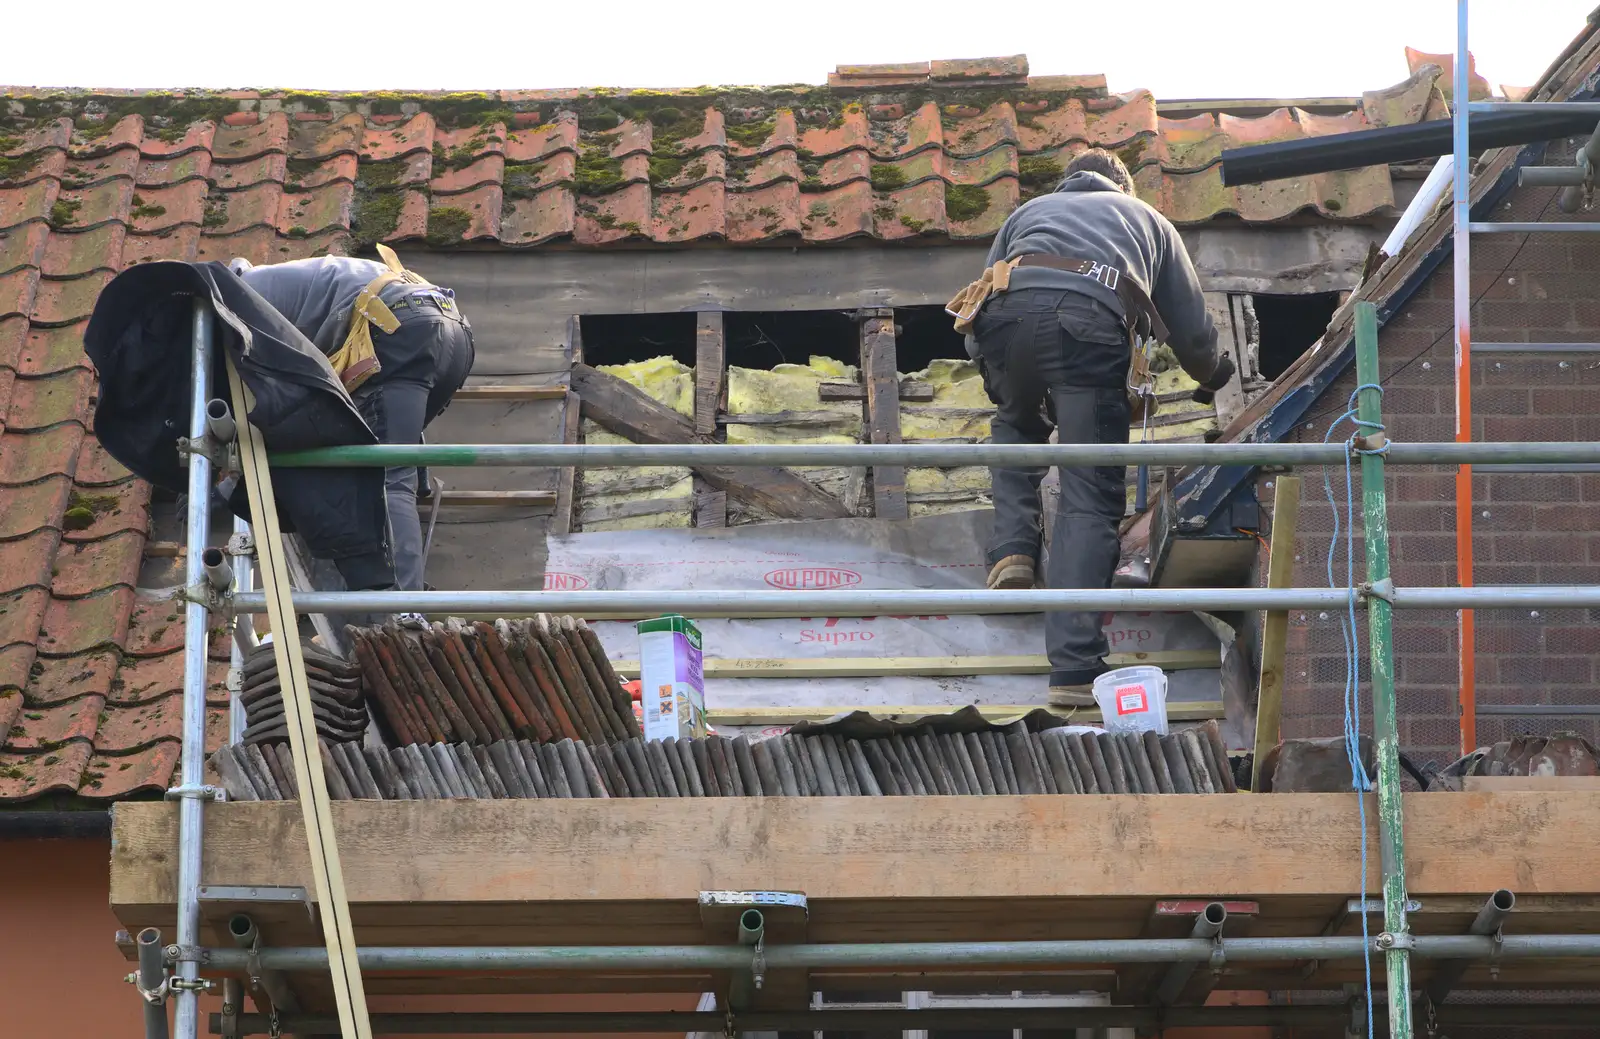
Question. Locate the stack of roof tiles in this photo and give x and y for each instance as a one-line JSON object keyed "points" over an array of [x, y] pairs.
{"points": [[93, 182], [544, 678], [922, 763]]}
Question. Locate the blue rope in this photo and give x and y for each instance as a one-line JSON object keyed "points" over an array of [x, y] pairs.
{"points": [[1359, 779]]}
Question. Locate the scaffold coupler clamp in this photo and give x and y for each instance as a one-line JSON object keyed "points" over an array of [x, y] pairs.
{"points": [[215, 600], [1497, 945], [224, 457], [1381, 589], [1219, 955], [241, 543], [154, 996], [1395, 941], [758, 963], [729, 1029], [1374, 443], [203, 792]]}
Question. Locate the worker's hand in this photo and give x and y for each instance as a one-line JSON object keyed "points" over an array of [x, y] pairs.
{"points": [[1206, 393]]}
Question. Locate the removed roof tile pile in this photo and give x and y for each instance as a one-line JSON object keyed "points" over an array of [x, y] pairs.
{"points": [[336, 699], [1009, 761], [544, 678]]}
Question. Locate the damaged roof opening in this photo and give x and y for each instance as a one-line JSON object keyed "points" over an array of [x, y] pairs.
{"points": [[1288, 325]]}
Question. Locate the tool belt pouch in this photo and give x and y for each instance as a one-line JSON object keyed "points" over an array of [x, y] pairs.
{"points": [[356, 360], [1142, 402], [964, 306]]}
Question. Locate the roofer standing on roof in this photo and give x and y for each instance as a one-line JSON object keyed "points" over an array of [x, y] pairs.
{"points": [[401, 346], [1071, 279]]}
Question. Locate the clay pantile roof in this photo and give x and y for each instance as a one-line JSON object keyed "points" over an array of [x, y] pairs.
{"points": [[91, 182]]}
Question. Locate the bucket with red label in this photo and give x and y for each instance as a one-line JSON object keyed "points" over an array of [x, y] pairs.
{"points": [[1133, 699]]}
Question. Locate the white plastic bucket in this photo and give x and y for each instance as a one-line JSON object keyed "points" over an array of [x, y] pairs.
{"points": [[1133, 699]]}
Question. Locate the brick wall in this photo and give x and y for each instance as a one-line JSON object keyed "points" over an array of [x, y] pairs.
{"points": [[1528, 527]]}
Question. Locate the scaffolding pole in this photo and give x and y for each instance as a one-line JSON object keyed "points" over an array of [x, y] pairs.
{"points": [[595, 456], [1396, 935], [852, 955], [191, 790], [1466, 640], [890, 602]]}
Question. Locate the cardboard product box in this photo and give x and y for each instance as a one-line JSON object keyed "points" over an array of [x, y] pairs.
{"points": [[673, 697]]}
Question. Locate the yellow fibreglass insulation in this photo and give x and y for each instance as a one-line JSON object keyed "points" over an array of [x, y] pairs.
{"points": [[786, 397]]}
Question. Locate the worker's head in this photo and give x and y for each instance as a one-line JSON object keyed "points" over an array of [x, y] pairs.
{"points": [[1098, 160]]}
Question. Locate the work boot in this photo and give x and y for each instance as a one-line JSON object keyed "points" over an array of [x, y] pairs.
{"points": [[1012, 572], [1075, 688]]}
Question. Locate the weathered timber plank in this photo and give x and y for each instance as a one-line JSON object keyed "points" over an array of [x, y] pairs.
{"points": [[911, 392], [623, 410], [878, 849], [508, 393], [709, 371], [567, 478], [883, 411]]}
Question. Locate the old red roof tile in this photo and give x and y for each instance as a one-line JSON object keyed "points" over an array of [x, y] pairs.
{"points": [[74, 625], [44, 728], [615, 217], [29, 774], [25, 562], [86, 568], [268, 167], [486, 169], [20, 616], [306, 174], [29, 202], [480, 205], [250, 207], [233, 143], [155, 627], [17, 291], [56, 680], [67, 301], [380, 145], [16, 665], [827, 215], [69, 254], [154, 172], [547, 139], [177, 243], [98, 140], [23, 247], [696, 213], [138, 725], [542, 218], [26, 457], [147, 770], [749, 174], [31, 167], [94, 513], [41, 403], [13, 334], [96, 169], [96, 468], [1477, 86], [33, 507], [48, 350], [198, 137], [92, 205], [1012, 69], [144, 680], [851, 131], [158, 208], [56, 133], [10, 707], [303, 213]]}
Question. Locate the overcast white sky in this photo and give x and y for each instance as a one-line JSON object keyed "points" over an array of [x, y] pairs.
{"points": [[1177, 48]]}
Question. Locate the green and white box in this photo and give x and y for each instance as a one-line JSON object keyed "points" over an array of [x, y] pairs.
{"points": [[672, 694]]}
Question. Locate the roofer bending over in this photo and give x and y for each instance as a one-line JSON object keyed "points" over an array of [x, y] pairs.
{"points": [[1070, 281], [402, 348]]}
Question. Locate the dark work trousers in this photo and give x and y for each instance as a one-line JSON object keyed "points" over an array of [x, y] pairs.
{"points": [[1038, 348], [424, 362]]}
